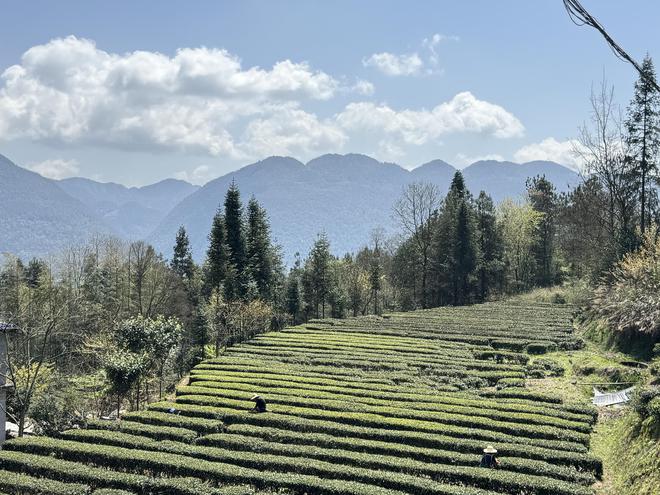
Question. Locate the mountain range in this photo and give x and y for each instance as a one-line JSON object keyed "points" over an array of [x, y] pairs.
{"points": [[347, 196]]}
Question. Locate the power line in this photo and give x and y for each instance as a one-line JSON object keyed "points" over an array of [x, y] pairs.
{"points": [[581, 17]]}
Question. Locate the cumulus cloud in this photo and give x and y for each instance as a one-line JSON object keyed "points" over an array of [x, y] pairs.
{"points": [[291, 131], [469, 160], [56, 169], [70, 91], [407, 64], [199, 175], [205, 101], [463, 113], [410, 64], [363, 87], [550, 149]]}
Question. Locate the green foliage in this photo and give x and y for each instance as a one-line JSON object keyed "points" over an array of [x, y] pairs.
{"points": [[182, 263], [630, 302], [22, 484], [543, 368]]}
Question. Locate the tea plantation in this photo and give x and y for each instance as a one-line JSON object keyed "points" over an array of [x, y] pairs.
{"points": [[402, 404]]}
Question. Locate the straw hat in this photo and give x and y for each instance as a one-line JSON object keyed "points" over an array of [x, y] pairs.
{"points": [[490, 450], [255, 396]]}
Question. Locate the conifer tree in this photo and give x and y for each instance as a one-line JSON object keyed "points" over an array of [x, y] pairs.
{"points": [[259, 250], [464, 259], [217, 256], [317, 275], [182, 263], [490, 265], [234, 228], [375, 275], [643, 139], [543, 199]]}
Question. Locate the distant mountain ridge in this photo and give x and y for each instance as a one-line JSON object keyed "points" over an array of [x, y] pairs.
{"points": [[347, 196], [344, 195], [132, 212]]}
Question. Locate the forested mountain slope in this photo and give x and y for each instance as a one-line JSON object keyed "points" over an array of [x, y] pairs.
{"points": [[38, 218], [344, 195]]}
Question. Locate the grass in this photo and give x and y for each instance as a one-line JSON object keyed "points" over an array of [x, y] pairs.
{"points": [[631, 458]]}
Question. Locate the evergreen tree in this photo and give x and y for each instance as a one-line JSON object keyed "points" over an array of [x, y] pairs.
{"points": [[317, 283], [260, 251], [294, 303], [235, 233], [543, 199], [643, 139], [464, 259], [490, 264], [182, 263], [217, 256], [454, 250], [375, 275]]}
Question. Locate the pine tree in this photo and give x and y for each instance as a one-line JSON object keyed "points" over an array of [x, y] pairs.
{"points": [[235, 231], [543, 199], [259, 250], [643, 139], [217, 256], [490, 264], [294, 297], [454, 248], [317, 275], [457, 188], [375, 275], [464, 259], [182, 263]]}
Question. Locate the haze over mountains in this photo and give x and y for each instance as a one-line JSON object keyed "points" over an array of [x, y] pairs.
{"points": [[345, 195]]}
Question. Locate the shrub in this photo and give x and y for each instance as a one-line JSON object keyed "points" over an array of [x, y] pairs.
{"points": [[542, 368], [510, 382], [158, 432], [646, 401], [22, 484], [540, 347]]}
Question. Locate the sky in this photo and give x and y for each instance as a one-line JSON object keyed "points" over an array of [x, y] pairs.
{"points": [[136, 92]]}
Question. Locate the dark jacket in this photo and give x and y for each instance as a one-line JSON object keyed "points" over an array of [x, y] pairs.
{"points": [[488, 461], [259, 405]]}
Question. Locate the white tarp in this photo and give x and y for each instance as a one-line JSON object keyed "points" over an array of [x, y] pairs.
{"points": [[609, 399]]}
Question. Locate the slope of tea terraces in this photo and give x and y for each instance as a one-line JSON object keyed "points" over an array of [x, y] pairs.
{"points": [[365, 406]]}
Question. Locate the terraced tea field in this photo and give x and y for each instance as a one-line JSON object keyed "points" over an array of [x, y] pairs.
{"points": [[365, 406]]}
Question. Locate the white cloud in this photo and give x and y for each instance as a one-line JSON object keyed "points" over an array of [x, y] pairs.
{"points": [[465, 160], [291, 131], [431, 44], [408, 64], [363, 87], [550, 149], [56, 169], [199, 175], [203, 101], [463, 113], [70, 91]]}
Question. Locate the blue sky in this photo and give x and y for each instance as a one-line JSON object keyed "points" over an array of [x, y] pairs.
{"points": [[135, 92]]}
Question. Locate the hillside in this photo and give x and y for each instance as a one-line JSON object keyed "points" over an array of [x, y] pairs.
{"points": [[38, 218], [364, 406], [345, 195], [132, 212]]}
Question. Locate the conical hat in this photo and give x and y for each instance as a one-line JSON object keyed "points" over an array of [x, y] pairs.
{"points": [[490, 450]]}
